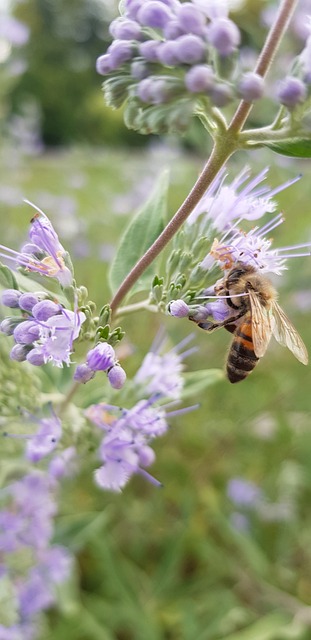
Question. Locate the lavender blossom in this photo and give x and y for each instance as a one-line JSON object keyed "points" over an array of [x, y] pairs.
{"points": [[49, 333], [291, 92], [45, 440], [26, 531], [244, 493], [162, 374], [125, 448], [101, 358], [224, 35], [254, 249], [44, 254], [223, 204]]}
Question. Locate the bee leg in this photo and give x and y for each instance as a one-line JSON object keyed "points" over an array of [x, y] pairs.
{"points": [[229, 323]]}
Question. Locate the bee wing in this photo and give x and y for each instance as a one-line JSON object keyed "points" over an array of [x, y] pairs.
{"points": [[286, 334], [261, 325]]}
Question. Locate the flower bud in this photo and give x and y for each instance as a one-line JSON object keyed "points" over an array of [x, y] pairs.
{"points": [[125, 29], [27, 301], [101, 358], [221, 95], [154, 14], [199, 78], [291, 92], [190, 49], [26, 332], [10, 298], [116, 377], [146, 456], [120, 51], [179, 309], [149, 50], [44, 310], [168, 53], [251, 86], [191, 19], [224, 35], [139, 70], [35, 357], [19, 352], [103, 64], [83, 373], [8, 325]]}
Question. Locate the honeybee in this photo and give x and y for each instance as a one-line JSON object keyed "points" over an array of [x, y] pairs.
{"points": [[255, 317]]}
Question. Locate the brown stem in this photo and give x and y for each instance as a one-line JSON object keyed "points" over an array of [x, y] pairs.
{"points": [[222, 150], [216, 160], [266, 58]]}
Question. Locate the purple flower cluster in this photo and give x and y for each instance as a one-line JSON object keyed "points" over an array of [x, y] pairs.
{"points": [[26, 531], [164, 50], [162, 373], [222, 209], [44, 253], [125, 448], [44, 331], [101, 358]]}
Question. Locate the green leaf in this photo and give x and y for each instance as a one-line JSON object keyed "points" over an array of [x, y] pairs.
{"points": [[143, 229], [269, 627], [296, 148], [7, 278], [198, 381]]}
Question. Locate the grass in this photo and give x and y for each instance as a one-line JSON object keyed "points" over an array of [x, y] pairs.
{"points": [[184, 562]]}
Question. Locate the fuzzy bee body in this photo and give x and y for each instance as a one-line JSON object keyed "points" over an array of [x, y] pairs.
{"points": [[241, 357], [256, 315]]}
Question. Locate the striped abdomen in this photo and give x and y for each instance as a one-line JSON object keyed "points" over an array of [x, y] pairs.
{"points": [[241, 358]]}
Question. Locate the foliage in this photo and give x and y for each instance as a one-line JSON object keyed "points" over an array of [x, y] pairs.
{"points": [[128, 510]]}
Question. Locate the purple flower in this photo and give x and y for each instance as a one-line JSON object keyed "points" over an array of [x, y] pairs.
{"points": [[19, 352], [222, 203], [162, 374], [116, 376], [154, 14], [101, 358], [63, 465], [179, 309], [125, 449], [26, 529], [120, 51], [149, 50], [26, 332], [251, 86], [28, 300], [103, 64], [191, 19], [252, 248], [199, 78], [190, 49], [224, 35], [35, 357], [244, 493], [57, 335], [10, 298], [291, 92], [45, 440], [125, 29], [44, 254], [45, 309], [83, 373]]}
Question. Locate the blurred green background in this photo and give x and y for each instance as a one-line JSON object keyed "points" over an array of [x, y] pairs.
{"points": [[196, 560]]}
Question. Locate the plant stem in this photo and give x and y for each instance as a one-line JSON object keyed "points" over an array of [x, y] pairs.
{"points": [[68, 397], [144, 305], [224, 147], [266, 58], [220, 154]]}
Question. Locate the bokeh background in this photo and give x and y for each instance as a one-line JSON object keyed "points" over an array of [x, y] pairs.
{"points": [[223, 551]]}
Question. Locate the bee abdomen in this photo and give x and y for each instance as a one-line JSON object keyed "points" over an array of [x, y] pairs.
{"points": [[241, 358]]}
